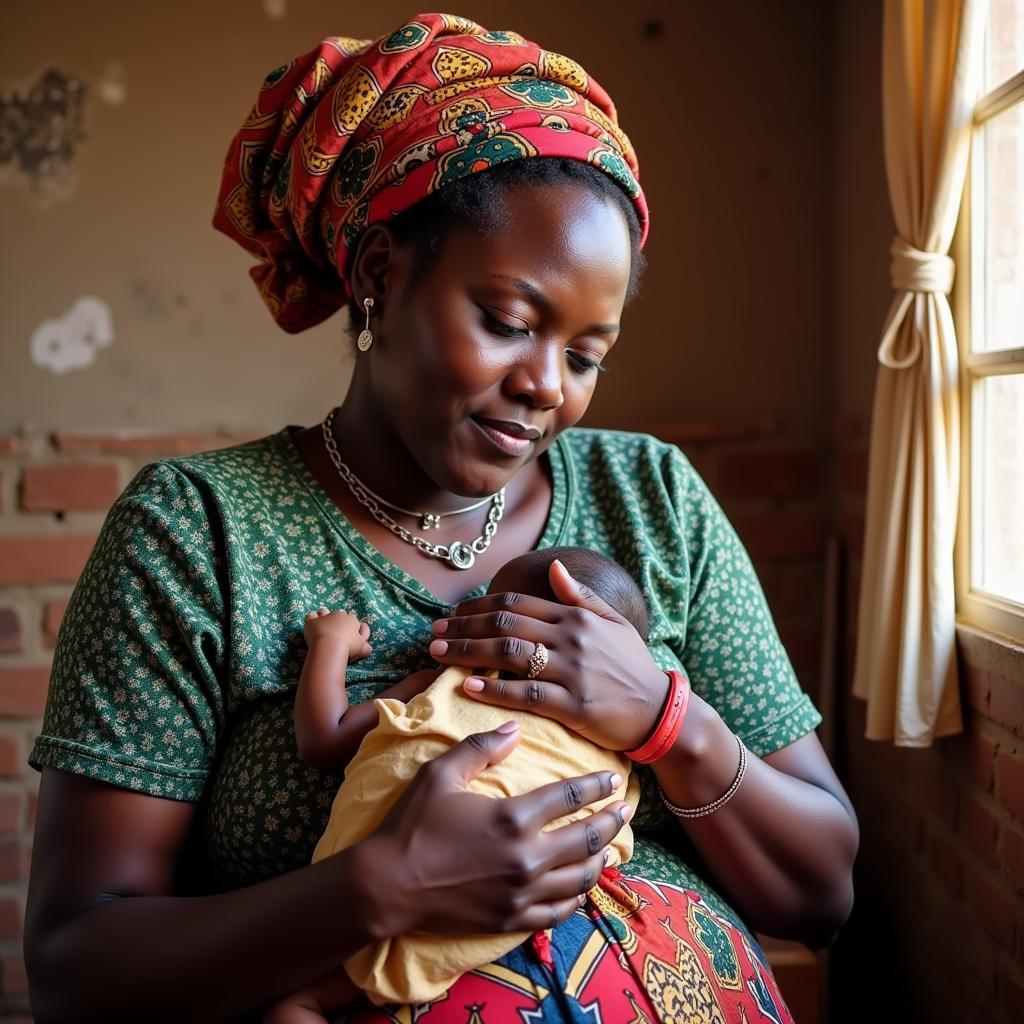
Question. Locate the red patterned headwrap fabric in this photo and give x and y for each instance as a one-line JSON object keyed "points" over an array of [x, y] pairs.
{"points": [[357, 131]]}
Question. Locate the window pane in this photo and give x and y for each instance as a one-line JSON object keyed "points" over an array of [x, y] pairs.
{"points": [[1001, 324], [998, 543], [1004, 42]]}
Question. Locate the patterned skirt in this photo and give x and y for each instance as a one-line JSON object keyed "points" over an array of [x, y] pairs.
{"points": [[639, 952]]}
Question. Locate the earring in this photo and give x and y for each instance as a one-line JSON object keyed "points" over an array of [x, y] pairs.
{"points": [[365, 339]]}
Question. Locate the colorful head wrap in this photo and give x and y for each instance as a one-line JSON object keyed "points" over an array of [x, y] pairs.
{"points": [[356, 131]]}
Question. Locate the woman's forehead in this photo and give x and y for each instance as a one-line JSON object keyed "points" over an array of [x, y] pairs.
{"points": [[561, 240]]}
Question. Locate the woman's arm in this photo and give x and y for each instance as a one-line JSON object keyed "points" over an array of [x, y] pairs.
{"points": [[106, 939], [782, 847]]}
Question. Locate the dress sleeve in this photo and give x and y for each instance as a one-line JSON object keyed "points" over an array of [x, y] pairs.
{"points": [[137, 687], [730, 646]]}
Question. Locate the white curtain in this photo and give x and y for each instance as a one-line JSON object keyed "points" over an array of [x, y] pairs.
{"points": [[906, 662]]}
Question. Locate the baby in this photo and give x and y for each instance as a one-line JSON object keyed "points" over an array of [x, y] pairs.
{"points": [[417, 968]]}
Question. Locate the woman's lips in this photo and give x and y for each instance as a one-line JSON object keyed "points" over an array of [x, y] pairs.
{"points": [[509, 443]]}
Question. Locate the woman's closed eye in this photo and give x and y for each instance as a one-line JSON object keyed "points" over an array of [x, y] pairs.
{"points": [[583, 364], [499, 327], [506, 330]]}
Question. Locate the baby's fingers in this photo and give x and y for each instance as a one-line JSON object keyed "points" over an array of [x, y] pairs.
{"points": [[364, 630]]}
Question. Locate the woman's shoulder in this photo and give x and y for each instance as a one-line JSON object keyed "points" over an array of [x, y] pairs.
{"points": [[217, 472], [626, 458], [585, 442]]}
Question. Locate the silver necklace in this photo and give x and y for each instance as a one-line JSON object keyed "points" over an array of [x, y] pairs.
{"points": [[458, 554], [428, 520]]}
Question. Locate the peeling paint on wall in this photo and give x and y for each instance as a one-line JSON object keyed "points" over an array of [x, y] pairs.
{"points": [[111, 88], [71, 341], [40, 128]]}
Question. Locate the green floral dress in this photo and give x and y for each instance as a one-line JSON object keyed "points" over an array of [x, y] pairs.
{"points": [[176, 665]]}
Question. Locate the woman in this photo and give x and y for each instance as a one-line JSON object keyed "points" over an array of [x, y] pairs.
{"points": [[472, 199]]}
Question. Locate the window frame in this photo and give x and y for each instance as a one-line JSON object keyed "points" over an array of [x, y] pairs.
{"points": [[976, 607]]}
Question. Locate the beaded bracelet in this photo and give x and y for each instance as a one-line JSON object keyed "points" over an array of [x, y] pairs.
{"points": [[700, 812], [671, 721]]}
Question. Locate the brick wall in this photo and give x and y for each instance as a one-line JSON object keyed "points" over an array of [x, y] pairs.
{"points": [[938, 930], [54, 492]]}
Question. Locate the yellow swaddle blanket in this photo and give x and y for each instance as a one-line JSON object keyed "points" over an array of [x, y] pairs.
{"points": [[418, 967]]}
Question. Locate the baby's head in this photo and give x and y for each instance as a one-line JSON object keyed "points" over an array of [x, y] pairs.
{"points": [[528, 574]]}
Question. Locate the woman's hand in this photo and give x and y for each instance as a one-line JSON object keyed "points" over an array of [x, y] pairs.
{"points": [[600, 680], [448, 860]]}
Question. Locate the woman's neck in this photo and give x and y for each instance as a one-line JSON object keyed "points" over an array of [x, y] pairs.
{"points": [[376, 454]]}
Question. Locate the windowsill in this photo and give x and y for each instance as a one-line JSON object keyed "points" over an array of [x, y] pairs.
{"points": [[991, 652]]}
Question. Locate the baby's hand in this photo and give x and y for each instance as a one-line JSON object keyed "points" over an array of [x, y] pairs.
{"points": [[341, 624]]}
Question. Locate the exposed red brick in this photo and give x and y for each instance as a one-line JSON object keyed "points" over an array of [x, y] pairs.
{"points": [[30, 817], [976, 687], [1013, 856], [853, 471], [12, 810], [1006, 703], [1010, 782], [12, 918], [972, 753], [52, 617], [979, 828], [12, 974], [72, 486], [141, 443], [946, 863], [10, 630], [15, 857], [12, 755], [26, 561], [768, 474], [11, 445], [777, 535], [994, 905], [23, 690]]}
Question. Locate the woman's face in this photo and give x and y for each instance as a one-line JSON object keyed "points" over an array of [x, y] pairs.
{"points": [[483, 361]]}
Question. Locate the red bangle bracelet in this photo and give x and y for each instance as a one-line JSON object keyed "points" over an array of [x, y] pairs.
{"points": [[671, 721]]}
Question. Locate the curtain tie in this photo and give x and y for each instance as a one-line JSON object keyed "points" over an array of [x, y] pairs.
{"points": [[914, 270]]}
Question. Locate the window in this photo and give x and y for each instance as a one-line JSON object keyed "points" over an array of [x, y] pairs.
{"points": [[989, 309]]}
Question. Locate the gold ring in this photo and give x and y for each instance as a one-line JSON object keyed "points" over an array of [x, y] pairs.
{"points": [[538, 661]]}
